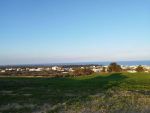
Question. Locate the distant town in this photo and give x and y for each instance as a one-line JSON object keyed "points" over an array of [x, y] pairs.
{"points": [[69, 70]]}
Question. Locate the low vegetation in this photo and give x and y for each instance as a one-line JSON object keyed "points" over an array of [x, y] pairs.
{"points": [[79, 72], [139, 69], [67, 70], [114, 67], [97, 93]]}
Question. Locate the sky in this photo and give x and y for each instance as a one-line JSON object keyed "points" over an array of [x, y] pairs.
{"points": [[61, 31]]}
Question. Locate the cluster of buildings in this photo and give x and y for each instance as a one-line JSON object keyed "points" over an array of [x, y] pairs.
{"points": [[130, 69], [35, 69], [96, 69]]}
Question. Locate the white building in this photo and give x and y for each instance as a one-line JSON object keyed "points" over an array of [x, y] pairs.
{"points": [[71, 70], [124, 67], [96, 70], [56, 68], [82, 67], [147, 67], [146, 71], [33, 69], [18, 69], [132, 71], [3, 71]]}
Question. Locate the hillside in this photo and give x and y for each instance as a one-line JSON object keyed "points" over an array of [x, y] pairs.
{"points": [[98, 93]]}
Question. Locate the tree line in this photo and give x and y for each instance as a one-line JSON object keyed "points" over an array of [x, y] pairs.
{"points": [[113, 67]]}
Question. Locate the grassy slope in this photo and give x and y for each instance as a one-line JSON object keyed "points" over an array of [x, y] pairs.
{"points": [[50, 94]]}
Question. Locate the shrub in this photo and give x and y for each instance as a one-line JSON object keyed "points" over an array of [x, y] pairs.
{"points": [[79, 72], [139, 69], [114, 67]]}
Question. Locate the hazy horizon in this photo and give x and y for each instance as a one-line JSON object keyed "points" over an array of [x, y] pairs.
{"points": [[61, 31]]}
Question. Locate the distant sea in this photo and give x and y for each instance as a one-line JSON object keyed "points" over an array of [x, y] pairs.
{"points": [[126, 63]]}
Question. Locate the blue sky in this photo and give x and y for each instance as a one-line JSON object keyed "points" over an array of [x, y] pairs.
{"points": [[53, 31]]}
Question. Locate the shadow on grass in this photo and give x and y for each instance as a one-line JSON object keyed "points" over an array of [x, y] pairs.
{"points": [[56, 90], [106, 82]]}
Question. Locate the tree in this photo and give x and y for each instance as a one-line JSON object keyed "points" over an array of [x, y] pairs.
{"points": [[114, 67], [139, 69], [79, 72], [103, 69]]}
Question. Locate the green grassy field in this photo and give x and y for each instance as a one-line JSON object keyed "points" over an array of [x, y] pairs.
{"points": [[98, 93]]}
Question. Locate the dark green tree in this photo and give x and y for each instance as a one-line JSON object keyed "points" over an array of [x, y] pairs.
{"points": [[114, 67], [79, 72], [103, 69], [139, 69]]}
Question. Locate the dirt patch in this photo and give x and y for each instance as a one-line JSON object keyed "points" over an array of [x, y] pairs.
{"points": [[27, 95], [6, 92], [70, 95], [49, 108], [43, 109], [15, 106]]}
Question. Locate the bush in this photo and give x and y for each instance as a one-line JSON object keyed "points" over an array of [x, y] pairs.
{"points": [[114, 67], [139, 69], [79, 72]]}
